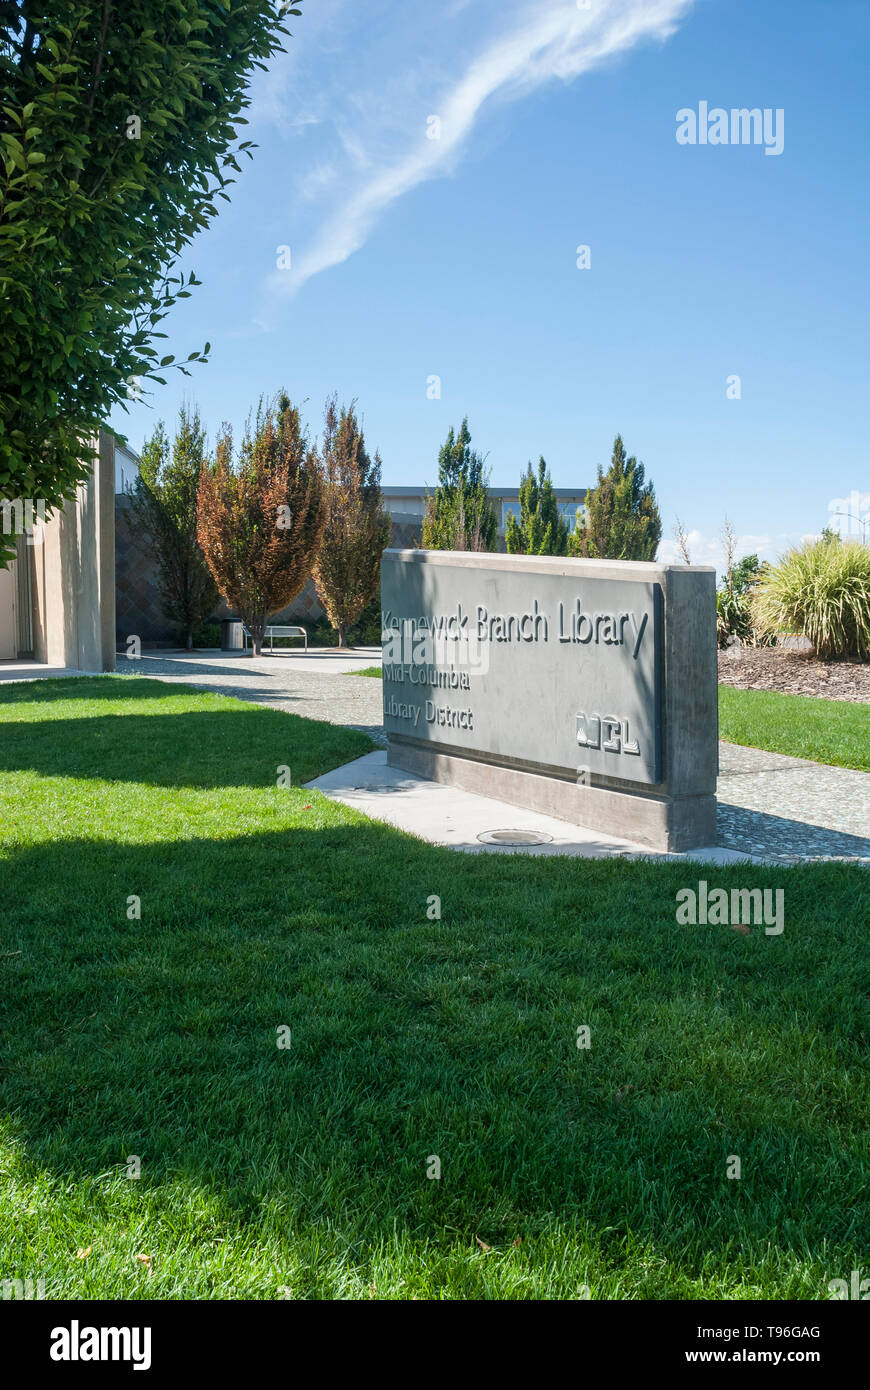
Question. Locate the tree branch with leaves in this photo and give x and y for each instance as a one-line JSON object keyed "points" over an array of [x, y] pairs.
{"points": [[118, 132]]}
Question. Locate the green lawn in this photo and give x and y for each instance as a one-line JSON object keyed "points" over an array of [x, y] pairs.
{"points": [[825, 731], [370, 671], [304, 1169]]}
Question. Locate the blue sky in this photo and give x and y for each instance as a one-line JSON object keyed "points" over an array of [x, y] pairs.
{"points": [[455, 257]]}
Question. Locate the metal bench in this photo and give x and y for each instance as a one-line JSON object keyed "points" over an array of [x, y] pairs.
{"points": [[274, 630]]}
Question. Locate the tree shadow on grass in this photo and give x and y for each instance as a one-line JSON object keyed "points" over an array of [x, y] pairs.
{"points": [[236, 743], [454, 1036], [105, 688]]}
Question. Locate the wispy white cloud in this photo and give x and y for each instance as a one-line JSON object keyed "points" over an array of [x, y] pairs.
{"points": [[383, 162]]}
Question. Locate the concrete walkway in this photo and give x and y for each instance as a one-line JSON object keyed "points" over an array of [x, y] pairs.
{"points": [[455, 818], [790, 809], [449, 816], [316, 685], [37, 670]]}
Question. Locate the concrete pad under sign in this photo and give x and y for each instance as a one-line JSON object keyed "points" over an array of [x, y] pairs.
{"points": [[448, 816]]}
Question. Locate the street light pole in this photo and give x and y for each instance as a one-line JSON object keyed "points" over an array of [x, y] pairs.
{"points": [[862, 522]]}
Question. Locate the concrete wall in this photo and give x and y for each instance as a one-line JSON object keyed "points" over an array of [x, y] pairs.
{"points": [[73, 574], [138, 587], [137, 591]]}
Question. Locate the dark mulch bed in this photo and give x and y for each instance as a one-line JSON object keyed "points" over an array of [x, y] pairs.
{"points": [[794, 673]]}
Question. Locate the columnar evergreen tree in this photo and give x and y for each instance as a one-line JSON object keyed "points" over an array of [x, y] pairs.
{"points": [[347, 570], [622, 515], [163, 514], [540, 530], [459, 515], [117, 132], [261, 516]]}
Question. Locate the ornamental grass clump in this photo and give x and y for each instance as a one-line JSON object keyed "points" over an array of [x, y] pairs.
{"points": [[821, 590]]}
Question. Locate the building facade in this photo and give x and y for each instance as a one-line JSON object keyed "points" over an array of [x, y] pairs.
{"points": [[57, 597], [409, 503]]}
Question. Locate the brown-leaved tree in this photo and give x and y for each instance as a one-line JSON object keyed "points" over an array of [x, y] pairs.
{"points": [[348, 566], [261, 516]]}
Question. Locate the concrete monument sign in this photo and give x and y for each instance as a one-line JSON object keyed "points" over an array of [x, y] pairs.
{"points": [[584, 689]]}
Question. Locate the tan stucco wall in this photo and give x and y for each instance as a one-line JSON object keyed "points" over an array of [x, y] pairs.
{"points": [[8, 625], [74, 579]]}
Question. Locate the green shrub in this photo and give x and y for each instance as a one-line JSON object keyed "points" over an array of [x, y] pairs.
{"points": [[209, 635], [366, 631], [821, 591], [733, 617]]}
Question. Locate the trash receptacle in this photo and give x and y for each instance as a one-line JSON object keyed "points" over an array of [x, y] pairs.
{"points": [[232, 637]]}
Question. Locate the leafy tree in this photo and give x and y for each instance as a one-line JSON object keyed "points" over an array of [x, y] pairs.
{"points": [[622, 515], [261, 516], [459, 515], [164, 513], [117, 131], [540, 530], [348, 566], [745, 574]]}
